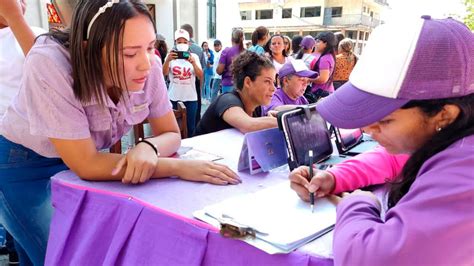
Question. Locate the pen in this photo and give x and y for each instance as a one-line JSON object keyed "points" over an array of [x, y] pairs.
{"points": [[311, 195]]}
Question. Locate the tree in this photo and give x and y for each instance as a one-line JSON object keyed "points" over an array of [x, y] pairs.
{"points": [[469, 19]]}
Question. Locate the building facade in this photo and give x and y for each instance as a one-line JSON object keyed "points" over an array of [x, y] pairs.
{"points": [[213, 19], [354, 18]]}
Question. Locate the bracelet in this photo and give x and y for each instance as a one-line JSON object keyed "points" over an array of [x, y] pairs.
{"points": [[153, 146]]}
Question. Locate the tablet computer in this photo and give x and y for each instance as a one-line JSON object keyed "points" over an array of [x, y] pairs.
{"points": [[304, 129], [351, 141]]}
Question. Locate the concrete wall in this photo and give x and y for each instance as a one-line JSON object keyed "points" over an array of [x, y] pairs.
{"points": [[36, 14], [227, 17]]}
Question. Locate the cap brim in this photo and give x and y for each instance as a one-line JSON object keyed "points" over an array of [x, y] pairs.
{"points": [[307, 74], [350, 107]]}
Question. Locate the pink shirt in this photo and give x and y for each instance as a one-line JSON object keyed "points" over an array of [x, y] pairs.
{"points": [[432, 224], [47, 108], [369, 168]]}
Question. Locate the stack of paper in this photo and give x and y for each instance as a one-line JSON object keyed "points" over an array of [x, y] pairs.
{"points": [[282, 218]]}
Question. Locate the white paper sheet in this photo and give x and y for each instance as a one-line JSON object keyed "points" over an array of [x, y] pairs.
{"points": [[277, 211]]}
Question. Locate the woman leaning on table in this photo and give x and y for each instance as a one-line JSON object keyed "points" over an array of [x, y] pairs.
{"points": [[253, 79], [83, 89], [410, 105]]}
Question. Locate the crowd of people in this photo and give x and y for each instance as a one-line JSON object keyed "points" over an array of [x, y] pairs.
{"points": [[328, 54], [77, 91]]}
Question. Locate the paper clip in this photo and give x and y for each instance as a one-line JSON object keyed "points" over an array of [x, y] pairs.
{"points": [[233, 229]]}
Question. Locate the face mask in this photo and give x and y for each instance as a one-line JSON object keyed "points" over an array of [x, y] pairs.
{"points": [[182, 47]]}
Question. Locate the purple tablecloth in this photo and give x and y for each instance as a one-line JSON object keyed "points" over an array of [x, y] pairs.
{"points": [[109, 223]]}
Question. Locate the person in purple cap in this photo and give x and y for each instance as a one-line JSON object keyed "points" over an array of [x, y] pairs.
{"points": [[293, 79], [306, 50], [418, 99]]}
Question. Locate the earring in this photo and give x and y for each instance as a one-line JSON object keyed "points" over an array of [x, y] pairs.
{"points": [[439, 129]]}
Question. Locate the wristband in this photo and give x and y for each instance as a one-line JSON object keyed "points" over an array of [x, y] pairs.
{"points": [[153, 146]]}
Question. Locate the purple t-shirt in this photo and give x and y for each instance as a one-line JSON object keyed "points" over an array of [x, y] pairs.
{"points": [[46, 107], [433, 224], [226, 59], [281, 98], [326, 63]]}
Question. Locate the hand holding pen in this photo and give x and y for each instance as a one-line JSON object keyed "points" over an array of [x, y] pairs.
{"points": [[311, 193], [322, 183]]}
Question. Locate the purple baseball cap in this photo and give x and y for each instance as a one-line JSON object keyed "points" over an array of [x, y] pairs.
{"points": [[429, 59], [308, 42], [296, 67]]}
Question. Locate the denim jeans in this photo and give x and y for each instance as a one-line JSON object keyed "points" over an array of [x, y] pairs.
{"points": [[25, 198], [206, 92], [216, 86], [227, 89], [191, 109]]}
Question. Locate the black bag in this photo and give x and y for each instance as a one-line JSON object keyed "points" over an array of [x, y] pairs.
{"points": [[313, 97]]}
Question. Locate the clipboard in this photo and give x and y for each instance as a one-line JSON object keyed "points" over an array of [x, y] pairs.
{"points": [[274, 219], [262, 151]]}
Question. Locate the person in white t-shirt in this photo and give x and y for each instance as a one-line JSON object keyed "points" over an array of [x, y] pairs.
{"points": [[15, 42], [183, 67], [216, 79]]}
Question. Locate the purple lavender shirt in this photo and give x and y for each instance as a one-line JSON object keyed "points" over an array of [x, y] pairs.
{"points": [[327, 63], [226, 59], [281, 98], [47, 108], [433, 224]]}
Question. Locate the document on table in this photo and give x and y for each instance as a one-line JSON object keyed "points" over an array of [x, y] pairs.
{"points": [[189, 153], [279, 216]]}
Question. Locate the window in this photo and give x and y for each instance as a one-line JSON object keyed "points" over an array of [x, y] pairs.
{"points": [[289, 33], [312, 33], [371, 14], [248, 35], [351, 34], [366, 36], [246, 15], [336, 12], [286, 13], [264, 14], [311, 11], [211, 19], [364, 9]]}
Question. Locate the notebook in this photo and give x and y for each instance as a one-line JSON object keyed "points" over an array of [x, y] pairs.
{"points": [[283, 222]]}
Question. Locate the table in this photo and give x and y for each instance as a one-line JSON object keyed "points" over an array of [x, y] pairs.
{"points": [[110, 223]]}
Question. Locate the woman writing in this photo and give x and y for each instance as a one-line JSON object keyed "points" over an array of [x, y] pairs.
{"points": [[414, 108]]}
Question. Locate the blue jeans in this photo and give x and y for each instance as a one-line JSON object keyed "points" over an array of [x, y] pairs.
{"points": [[207, 86], [25, 198], [191, 109], [227, 89], [216, 86]]}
